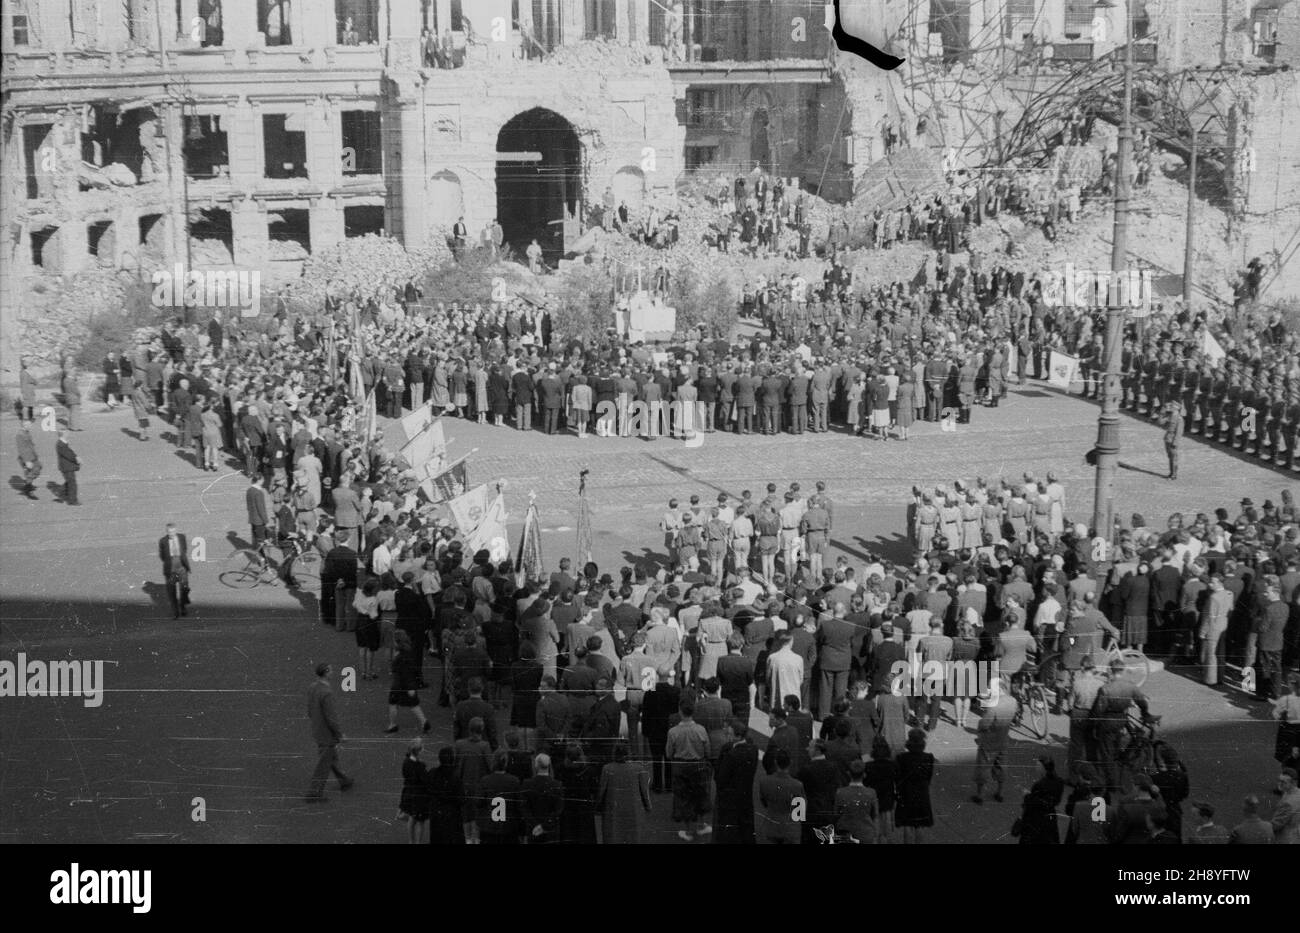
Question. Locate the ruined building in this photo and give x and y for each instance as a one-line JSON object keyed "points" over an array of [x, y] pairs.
{"points": [[248, 133]]}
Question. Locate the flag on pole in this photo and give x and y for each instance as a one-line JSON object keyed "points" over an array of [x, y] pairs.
{"points": [[482, 521], [414, 424], [450, 483], [428, 445], [584, 520], [369, 417], [469, 509], [530, 543], [331, 357]]}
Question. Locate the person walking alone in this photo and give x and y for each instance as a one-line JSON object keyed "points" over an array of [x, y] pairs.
{"points": [[327, 733]]}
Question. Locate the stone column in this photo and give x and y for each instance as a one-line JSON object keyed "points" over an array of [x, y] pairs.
{"points": [[177, 218], [244, 145], [324, 146], [248, 238], [326, 221], [405, 171]]}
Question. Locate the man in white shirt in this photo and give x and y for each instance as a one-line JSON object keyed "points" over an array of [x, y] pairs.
{"points": [[748, 587], [381, 560], [784, 669]]}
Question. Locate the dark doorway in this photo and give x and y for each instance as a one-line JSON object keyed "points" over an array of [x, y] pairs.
{"points": [[760, 149], [535, 198], [363, 220]]}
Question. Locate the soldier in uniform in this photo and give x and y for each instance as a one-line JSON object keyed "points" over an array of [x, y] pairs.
{"points": [[1173, 435], [1150, 373], [1276, 423], [1217, 408], [1205, 383], [927, 521], [1291, 428], [1230, 426], [670, 525], [815, 526]]}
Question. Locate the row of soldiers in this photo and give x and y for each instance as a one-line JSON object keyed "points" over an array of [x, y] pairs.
{"points": [[1244, 404]]}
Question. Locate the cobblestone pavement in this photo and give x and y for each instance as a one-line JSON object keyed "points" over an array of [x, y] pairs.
{"points": [[211, 707]]}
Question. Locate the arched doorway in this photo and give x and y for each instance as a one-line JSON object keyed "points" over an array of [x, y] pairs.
{"points": [[760, 150], [629, 187], [539, 181]]}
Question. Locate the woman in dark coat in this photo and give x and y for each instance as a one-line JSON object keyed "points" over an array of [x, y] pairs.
{"points": [[445, 796], [498, 395], [916, 769], [623, 799], [882, 777], [1135, 602], [415, 804], [525, 680], [1037, 823], [404, 691], [906, 401], [578, 821]]}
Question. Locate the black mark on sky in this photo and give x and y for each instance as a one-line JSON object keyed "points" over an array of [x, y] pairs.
{"points": [[848, 43]]}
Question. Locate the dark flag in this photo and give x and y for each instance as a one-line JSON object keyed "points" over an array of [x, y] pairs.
{"points": [[530, 544]]}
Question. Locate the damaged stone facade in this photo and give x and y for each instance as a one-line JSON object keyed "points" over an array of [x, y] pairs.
{"points": [[215, 133]]}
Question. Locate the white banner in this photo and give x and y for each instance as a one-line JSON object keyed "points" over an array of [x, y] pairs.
{"points": [[428, 445], [1212, 348], [1063, 370], [491, 533], [413, 425], [470, 509]]}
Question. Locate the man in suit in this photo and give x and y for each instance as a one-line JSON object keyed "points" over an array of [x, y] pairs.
{"points": [[778, 793], [600, 729], [475, 707], [347, 513], [834, 657], [551, 398], [746, 388], [326, 732], [498, 796], [521, 386], [28, 459], [173, 551], [258, 503], [543, 802], [773, 393], [414, 618], [734, 780], [69, 464]]}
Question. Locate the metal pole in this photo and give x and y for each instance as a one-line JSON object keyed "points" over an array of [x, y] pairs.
{"points": [[1191, 217], [1103, 506]]}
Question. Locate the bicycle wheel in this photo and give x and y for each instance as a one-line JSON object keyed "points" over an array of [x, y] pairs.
{"points": [[1136, 666], [306, 570], [1036, 704], [243, 570]]}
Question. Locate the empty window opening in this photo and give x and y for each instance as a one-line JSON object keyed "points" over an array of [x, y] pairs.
{"points": [[289, 232], [212, 239], [284, 140], [44, 248], [363, 220], [38, 157], [273, 21], [357, 21], [100, 240], [206, 147], [362, 143]]}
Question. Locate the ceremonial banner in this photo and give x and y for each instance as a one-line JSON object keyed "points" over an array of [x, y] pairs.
{"points": [[415, 423], [1063, 370], [426, 446], [491, 533], [448, 484], [469, 509], [530, 546], [1211, 347]]}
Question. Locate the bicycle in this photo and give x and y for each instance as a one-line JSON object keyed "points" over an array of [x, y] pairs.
{"points": [[298, 566], [1030, 696], [1138, 753], [1136, 666]]}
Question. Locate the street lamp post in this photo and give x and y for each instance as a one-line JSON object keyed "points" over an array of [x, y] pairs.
{"points": [[1103, 506]]}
